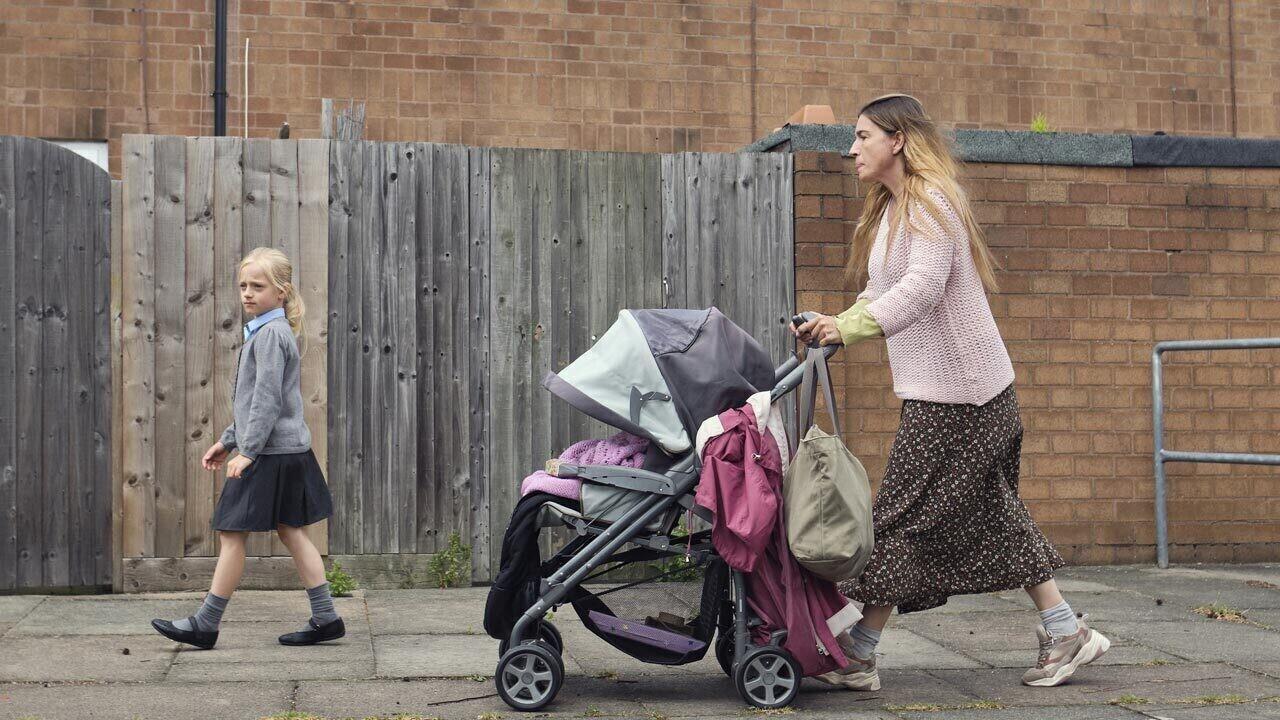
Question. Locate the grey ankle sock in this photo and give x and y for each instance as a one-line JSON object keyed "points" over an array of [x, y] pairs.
{"points": [[860, 642], [208, 616], [1060, 620], [321, 604]]}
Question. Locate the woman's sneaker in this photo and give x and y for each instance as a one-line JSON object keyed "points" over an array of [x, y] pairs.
{"points": [[857, 675], [1059, 657]]}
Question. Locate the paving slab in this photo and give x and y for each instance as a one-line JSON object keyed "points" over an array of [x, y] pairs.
{"points": [[906, 650], [85, 657], [14, 607], [1189, 586], [104, 616], [1202, 640], [969, 632], [1068, 712], [400, 612], [1096, 686], [580, 697], [123, 701], [435, 655], [1245, 711], [1126, 606], [355, 669]]}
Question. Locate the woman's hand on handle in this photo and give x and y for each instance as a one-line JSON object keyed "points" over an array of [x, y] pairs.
{"points": [[822, 328]]}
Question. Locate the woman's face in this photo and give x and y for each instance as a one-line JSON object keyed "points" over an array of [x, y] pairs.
{"points": [[874, 151]]}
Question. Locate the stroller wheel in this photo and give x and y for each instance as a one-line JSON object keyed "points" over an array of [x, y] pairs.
{"points": [[546, 633], [724, 653], [529, 676], [767, 677]]}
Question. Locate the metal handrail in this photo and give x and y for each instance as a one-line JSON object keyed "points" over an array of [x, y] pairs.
{"points": [[1157, 409]]}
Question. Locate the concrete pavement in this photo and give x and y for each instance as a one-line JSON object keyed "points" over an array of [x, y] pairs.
{"points": [[424, 652]]}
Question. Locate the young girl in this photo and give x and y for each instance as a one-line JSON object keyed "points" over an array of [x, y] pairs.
{"points": [[274, 483]]}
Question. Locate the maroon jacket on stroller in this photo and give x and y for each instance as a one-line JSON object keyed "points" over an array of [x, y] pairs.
{"points": [[741, 484]]}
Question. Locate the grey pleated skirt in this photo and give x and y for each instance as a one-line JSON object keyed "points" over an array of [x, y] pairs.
{"points": [[948, 519], [274, 489]]}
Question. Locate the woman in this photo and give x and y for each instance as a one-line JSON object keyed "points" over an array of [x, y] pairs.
{"points": [[948, 519]]}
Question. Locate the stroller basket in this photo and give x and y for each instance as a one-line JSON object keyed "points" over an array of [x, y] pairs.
{"points": [[663, 623]]}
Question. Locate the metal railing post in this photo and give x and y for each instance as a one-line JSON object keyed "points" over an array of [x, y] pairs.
{"points": [[1163, 456]]}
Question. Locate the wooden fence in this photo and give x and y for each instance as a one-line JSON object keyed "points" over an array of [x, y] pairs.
{"points": [[192, 207], [55, 368], [442, 283]]}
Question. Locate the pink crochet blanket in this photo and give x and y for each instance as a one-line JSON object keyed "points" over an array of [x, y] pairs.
{"points": [[623, 449]]}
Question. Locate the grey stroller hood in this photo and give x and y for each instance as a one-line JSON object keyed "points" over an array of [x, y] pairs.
{"points": [[660, 373]]}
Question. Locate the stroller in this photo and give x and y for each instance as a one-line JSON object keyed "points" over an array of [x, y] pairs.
{"points": [[656, 374]]}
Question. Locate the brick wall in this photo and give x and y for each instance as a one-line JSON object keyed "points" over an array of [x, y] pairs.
{"points": [[636, 75], [1098, 265]]}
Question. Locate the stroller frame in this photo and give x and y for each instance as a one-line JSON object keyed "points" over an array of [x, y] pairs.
{"points": [[530, 672]]}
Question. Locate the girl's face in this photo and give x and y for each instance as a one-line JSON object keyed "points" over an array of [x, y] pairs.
{"points": [[257, 294], [875, 152]]}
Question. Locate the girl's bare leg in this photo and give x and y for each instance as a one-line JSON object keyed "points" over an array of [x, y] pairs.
{"points": [[226, 576], [305, 555]]}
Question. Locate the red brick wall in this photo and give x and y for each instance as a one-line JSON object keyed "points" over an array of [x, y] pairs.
{"points": [[636, 75], [1098, 265]]}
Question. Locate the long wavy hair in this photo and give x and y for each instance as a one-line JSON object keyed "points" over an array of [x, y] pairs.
{"points": [[929, 164]]}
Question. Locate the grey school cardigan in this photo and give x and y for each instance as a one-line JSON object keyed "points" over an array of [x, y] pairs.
{"points": [[267, 397]]}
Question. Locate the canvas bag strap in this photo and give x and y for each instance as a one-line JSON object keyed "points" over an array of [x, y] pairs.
{"points": [[815, 374]]}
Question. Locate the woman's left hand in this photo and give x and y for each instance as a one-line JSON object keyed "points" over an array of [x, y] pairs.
{"points": [[823, 328], [238, 465]]}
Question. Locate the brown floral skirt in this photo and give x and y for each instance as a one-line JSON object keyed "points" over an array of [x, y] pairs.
{"points": [[948, 519]]}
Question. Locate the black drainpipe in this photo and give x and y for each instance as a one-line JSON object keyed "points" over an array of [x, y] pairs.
{"points": [[220, 68]]}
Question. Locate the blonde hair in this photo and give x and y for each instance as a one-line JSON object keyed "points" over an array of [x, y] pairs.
{"points": [[279, 271], [929, 164]]}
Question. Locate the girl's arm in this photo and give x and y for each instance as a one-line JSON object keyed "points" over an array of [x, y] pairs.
{"points": [[228, 438], [269, 360], [929, 260]]}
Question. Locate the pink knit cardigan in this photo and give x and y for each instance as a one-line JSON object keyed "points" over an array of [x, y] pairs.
{"points": [[944, 345]]}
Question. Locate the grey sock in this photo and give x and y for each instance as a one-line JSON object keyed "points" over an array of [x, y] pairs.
{"points": [[860, 642], [1060, 620], [321, 604], [208, 616]]}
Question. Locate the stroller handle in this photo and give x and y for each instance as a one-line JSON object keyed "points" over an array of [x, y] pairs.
{"points": [[788, 376]]}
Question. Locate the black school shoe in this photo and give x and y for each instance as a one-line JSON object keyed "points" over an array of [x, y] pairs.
{"points": [[317, 633], [199, 638]]}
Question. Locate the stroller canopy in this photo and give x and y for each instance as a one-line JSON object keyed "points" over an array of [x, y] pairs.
{"points": [[660, 373]]}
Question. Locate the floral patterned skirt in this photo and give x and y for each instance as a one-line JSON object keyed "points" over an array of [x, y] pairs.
{"points": [[948, 519]]}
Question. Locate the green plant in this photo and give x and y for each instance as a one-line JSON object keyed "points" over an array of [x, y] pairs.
{"points": [[678, 568], [340, 583], [1128, 700], [1041, 124], [1156, 662], [453, 564]]}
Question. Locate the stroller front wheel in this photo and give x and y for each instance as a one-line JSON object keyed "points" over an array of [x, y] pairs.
{"points": [[529, 676], [767, 677]]}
